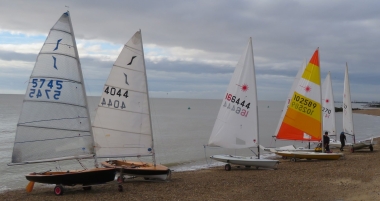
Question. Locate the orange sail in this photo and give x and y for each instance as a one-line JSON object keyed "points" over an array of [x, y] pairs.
{"points": [[302, 119]]}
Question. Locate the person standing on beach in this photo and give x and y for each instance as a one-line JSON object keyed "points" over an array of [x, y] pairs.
{"points": [[326, 142], [342, 140]]}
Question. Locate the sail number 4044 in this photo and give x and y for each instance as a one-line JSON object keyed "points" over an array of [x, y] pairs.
{"points": [[234, 100], [114, 92]]}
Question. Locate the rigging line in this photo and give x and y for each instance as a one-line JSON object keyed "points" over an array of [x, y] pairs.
{"points": [[123, 110], [50, 120], [142, 92], [64, 79], [130, 132], [63, 129], [60, 103], [60, 31], [53, 139], [132, 48], [129, 68], [61, 54]]}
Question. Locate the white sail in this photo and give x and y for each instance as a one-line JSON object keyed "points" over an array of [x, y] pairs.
{"points": [[290, 94], [348, 125], [328, 108], [54, 123], [122, 125], [237, 123]]}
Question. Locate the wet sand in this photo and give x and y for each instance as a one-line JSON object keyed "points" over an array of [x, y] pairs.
{"points": [[374, 112], [355, 177]]}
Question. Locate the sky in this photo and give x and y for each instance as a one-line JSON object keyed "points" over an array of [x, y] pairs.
{"points": [[192, 47]]}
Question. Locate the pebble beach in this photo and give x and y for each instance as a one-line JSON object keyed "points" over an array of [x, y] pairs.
{"points": [[355, 177]]}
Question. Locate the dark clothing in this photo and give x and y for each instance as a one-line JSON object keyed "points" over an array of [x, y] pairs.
{"points": [[326, 142], [342, 141]]}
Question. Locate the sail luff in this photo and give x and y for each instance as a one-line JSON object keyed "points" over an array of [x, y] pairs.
{"points": [[257, 107], [320, 101], [348, 125], [147, 93], [83, 87]]}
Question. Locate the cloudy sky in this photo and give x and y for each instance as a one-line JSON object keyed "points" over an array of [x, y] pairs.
{"points": [[192, 47]]}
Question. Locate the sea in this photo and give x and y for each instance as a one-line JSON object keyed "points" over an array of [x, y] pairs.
{"points": [[181, 129]]}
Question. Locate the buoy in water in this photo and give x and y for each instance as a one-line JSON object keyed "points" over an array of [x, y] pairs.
{"points": [[188, 108]]}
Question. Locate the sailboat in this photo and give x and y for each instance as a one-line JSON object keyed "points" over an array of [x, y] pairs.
{"points": [[328, 112], [123, 126], [286, 105], [302, 119], [237, 124], [348, 125], [54, 123]]}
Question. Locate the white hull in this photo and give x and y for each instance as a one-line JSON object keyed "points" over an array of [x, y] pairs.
{"points": [[336, 144], [286, 148], [246, 161]]}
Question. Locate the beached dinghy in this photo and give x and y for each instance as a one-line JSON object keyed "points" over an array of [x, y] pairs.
{"points": [[302, 138], [348, 124], [122, 125], [303, 118], [236, 126], [54, 122]]}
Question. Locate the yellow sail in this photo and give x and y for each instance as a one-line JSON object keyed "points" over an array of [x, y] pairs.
{"points": [[302, 120]]}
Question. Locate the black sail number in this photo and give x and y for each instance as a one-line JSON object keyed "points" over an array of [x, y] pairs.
{"points": [[116, 92]]}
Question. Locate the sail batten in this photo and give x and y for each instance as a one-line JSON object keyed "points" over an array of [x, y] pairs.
{"points": [[54, 121]]}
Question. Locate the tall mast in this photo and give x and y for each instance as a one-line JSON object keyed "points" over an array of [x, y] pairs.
{"points": [[147, 93], [83, 88]]}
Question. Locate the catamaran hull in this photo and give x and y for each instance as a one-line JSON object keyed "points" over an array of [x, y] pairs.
{"points": [[71, 178], [139, 169], [246, 161], [310, 155], [362, 145]]}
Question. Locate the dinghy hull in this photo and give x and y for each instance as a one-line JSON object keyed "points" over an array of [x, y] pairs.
{"points": [[139, 169], [71, 178], [310, 155], [246, 161]]}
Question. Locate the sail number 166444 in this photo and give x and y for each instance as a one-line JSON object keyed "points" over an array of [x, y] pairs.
{"points": [[232, 100]]}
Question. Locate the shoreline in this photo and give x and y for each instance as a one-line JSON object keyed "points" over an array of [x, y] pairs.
{"points": [[356, 177]]}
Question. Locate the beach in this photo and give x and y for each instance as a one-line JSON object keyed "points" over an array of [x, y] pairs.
{"points": [[355, 177]]}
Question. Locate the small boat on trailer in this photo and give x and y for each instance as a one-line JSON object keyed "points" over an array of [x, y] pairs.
{"points": [[302, 119], [123, 126], [139, 169], [368, 143], [294, 156], [237, 126], [348, 124], [54, 123], [73, 177], [248, 162]]}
